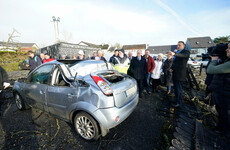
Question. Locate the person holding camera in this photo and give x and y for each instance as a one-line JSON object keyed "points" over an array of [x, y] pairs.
{"points": [[220, 87]]}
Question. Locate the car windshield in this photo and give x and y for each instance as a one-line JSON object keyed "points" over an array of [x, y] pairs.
{"points": [[84, 68]]}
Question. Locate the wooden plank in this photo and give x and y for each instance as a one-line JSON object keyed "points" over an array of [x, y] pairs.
{"points": [[185, 140], [207, 139], [177, 144]]}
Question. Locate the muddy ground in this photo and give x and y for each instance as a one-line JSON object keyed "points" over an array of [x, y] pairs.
{"points": [[141, 130]]}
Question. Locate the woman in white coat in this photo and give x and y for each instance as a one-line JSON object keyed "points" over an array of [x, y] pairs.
{"points": [[156, 74]]}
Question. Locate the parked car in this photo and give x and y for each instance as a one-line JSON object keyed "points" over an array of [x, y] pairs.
{"points": [[205, 62], [90, 94], [22, 65], [193, 63]]}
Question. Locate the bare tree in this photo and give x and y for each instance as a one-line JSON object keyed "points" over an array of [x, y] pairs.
{"points": [[11, 39]]}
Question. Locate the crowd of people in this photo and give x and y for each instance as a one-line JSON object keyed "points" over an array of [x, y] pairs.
{"points": [[171, 72], [146, 70]]}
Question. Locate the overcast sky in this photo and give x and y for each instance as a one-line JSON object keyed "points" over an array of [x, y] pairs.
{"points": [[153, 22]]}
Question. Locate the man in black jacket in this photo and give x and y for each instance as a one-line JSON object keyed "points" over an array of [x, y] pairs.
{"points": [[138, 70], [180, 57], [3, 80]]}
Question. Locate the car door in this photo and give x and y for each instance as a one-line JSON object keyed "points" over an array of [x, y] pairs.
{"points": [[36, 86], [60, 94]]}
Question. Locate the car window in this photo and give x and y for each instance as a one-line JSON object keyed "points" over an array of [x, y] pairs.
{"points": [[58, 79], [41, 75]]}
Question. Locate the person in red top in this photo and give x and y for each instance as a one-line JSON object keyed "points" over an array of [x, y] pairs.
{"points": [[47, 58], [150, 67]]}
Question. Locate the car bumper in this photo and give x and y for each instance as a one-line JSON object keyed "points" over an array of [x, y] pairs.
{"points": [[106, 117]]}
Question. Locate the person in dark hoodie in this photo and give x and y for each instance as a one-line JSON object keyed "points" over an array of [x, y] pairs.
{"points": [[111, 60], [34, 61]]}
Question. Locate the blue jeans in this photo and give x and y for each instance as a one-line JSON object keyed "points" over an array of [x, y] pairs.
{"points": [[178, 91], [168, 88], [148, 75]]}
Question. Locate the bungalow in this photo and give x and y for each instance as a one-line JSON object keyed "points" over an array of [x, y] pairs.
{"points": [[134, 48], [199, 45]]}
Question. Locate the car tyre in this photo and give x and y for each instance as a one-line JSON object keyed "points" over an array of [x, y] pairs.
{"points": [[19, 102], [86, 126]]}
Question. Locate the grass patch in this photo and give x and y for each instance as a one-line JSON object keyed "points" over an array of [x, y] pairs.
{"points": [[10, 66], [10, 60]]}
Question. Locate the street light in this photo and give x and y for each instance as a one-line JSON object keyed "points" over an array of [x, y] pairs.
{"points": [[56, 30]]}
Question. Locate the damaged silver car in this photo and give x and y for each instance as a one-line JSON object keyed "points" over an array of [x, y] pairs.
{"points": [[90, 94]]}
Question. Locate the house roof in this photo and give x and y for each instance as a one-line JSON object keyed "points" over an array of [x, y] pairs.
{"points": [[135, 46], [200, 42], [18, 44], [102, 46], [161, 49]]}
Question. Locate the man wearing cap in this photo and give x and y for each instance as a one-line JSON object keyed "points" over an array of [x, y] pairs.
{"points": [[111, 60], [179, 70], [80, 55]]}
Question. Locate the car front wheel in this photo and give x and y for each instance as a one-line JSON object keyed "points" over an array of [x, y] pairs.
{"points": [[86, 126], [19, 102]]}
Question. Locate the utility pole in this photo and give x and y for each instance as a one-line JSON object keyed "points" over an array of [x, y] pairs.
{"points": [[56, 30]]}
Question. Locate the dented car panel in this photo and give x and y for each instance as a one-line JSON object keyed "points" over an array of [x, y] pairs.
{"points": [[93, 87]]}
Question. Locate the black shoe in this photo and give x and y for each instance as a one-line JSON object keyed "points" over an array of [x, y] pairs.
{"points": [[149, 93]]}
